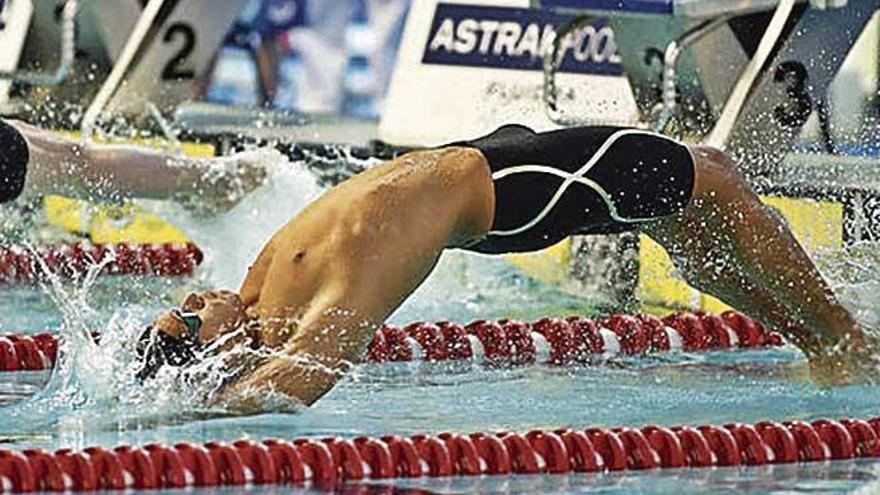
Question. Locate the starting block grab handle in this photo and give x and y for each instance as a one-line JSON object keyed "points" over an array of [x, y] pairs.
{"points": [[549, 89]]}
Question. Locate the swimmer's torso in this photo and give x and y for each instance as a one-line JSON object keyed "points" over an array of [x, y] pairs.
{"points": [[371, 239]]}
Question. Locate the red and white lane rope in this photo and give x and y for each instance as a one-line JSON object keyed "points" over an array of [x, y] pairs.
{"points": [[20, 264], [561, 341], [548, 340], [328, 461]]}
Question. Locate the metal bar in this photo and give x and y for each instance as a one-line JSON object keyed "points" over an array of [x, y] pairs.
{"points": [[735, 102], [670, 60], [141, 29], [550, 94]]}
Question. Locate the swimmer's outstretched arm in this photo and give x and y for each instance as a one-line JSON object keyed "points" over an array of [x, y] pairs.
{"points": [[729, 244], [62, 165], [328, 342]]}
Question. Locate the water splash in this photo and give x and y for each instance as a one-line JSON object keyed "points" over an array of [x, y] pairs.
{"points": [[854, 275], [233, 239], [93, 386], [84, 373]]}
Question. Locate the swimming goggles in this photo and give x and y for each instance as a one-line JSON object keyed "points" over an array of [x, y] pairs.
{"points": [[192, 322]]}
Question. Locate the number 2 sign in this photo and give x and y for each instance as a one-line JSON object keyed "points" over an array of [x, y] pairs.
{"points": [[182, 37]]}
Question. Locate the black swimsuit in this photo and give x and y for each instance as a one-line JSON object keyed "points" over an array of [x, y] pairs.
{"points": [[14, 157], [585, 180]]}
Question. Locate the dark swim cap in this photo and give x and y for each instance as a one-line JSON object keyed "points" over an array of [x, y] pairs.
{"points": [[156, 348], [14, 157]]}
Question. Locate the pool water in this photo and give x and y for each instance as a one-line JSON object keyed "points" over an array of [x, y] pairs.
{"points": [[90, 399]]}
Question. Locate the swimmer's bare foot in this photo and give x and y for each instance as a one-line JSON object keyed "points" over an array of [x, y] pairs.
{"points": [[854, 359]]}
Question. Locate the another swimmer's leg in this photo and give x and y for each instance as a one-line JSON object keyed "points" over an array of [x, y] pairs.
{"points": [[731, 245]]}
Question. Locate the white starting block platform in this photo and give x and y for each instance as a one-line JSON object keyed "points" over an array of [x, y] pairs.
{"points": [[464, 70]]}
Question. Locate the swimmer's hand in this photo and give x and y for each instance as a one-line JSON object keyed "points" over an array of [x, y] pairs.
{"points": [[327, 343], [224, 181], [290, 380]]}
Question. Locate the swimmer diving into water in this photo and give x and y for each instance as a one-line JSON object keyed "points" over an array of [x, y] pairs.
{"points": [[326, 280]]}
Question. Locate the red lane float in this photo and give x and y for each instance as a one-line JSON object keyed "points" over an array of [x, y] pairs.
{"points": [[20, 264], [548, 340], [570, 340], [329, 461]]}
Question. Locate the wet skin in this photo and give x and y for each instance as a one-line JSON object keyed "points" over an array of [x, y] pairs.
{"points": [[330, 276], [326, 280]]}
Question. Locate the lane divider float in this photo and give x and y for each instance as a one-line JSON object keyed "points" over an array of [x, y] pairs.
{"points": [[568, 340], [550, 340], [19, 263], [331, 461]]}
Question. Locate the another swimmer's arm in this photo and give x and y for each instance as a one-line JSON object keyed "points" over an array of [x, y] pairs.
{"points": [[328, 342], [61, 165]]}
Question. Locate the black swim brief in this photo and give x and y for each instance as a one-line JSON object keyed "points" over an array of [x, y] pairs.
{"points": [[14, 157], [585, 180]]}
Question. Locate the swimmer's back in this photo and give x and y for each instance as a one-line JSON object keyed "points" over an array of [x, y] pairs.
{"points": [[392, 221]]}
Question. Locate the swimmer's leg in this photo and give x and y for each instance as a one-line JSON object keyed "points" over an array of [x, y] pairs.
{"points": [[729, 244]]}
